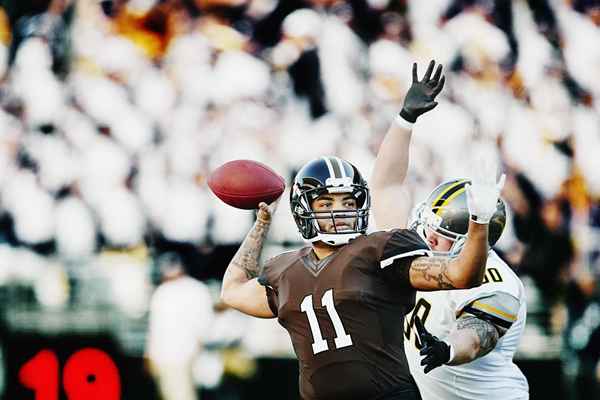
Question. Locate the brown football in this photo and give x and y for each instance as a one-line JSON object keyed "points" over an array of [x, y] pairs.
{"points": [[246, 183]]}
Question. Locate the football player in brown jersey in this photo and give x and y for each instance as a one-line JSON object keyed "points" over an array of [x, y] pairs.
{"points": [[342, 298]]}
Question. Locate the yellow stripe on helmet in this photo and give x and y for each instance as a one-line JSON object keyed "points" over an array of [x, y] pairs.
{"points": [[449, 199], [435, 208]]}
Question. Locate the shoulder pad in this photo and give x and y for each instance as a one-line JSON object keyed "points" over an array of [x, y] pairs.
{"points": [[499, 308]]}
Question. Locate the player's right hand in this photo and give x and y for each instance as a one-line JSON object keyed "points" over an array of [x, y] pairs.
{"points": [[420, 98], [483, 191], [266, 211], [436, 351]]}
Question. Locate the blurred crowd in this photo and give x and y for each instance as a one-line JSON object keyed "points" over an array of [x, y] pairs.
{"points": [[113, 113]]}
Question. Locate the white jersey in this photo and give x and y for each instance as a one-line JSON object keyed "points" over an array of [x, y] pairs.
{"points": [[181, 314], [493, 376]]}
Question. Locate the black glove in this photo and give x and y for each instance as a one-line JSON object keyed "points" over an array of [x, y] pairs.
{"points": [[420, 97], [437, 352]]}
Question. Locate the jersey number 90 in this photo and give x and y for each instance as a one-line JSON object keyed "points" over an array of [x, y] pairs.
{"points": [[421, 310], [423, 307]]}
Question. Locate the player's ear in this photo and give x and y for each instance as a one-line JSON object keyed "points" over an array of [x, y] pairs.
{"points": [[432, 239]]}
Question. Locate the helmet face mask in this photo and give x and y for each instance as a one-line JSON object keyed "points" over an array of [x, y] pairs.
{"points": [[318, 178], [424, 221], [445, 213]]}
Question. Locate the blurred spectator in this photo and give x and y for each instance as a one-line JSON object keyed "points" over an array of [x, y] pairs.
{"points": [[543, 229], [302, 27], [46, 19], [180, 317]]}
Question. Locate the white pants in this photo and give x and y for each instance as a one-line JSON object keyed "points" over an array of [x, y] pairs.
{"points": [[175, 381]]}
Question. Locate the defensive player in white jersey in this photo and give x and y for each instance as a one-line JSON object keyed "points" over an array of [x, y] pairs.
{"points": [[479, 328], [476, 330]]}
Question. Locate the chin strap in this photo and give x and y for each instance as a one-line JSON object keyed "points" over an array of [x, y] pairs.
{"points": [[334, 239]]}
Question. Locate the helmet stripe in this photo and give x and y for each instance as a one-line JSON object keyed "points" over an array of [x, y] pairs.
{"points": [[452, 186], [329, 166], [335, 166], [446, 194], [450, 198], [341, 165]]}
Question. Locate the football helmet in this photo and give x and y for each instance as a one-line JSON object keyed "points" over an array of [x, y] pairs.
{"points": [[329, 175], [446, 213]]}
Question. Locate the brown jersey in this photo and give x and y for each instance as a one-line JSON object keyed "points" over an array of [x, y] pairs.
{"points": [[344, 314]]}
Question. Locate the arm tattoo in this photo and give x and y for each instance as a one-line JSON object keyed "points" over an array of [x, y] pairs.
{"points": [[246, 258], [434, 269], [486, 331]]}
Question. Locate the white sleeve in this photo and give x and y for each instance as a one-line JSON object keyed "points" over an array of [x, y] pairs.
{"points": [[498, 278], [500, 309]]}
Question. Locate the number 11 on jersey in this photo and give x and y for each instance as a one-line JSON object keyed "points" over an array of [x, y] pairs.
{"points": [[342, 339]]}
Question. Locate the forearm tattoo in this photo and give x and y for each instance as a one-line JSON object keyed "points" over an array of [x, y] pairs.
{"points": [[486, 331], [246, 258], [434, 269]]}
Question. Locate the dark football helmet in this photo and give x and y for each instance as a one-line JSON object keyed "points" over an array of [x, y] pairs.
{"points": [[329, 175], [445, 212]]}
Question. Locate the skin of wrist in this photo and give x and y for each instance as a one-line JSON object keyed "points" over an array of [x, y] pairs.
{"points": [[263, 221]]}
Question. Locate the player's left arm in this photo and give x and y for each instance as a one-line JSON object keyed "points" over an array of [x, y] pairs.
{"points": [[467, 269], [476, 332], [390, 198], [481, 324], [449, 273]]}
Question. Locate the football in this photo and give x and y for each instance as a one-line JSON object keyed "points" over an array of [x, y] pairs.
{"points": [[245, 183]]}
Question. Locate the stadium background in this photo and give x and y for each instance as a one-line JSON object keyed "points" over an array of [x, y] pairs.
{"points": [[113, 113]]}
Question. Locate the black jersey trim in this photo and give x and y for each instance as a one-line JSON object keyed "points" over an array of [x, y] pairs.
{"points": [[389, 261], [487, 317]]}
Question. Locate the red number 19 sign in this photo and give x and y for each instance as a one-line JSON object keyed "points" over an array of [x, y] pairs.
{"points": [[88, 374]]}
